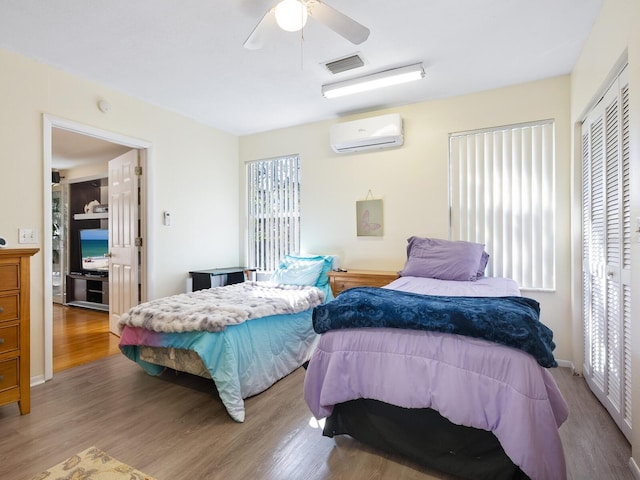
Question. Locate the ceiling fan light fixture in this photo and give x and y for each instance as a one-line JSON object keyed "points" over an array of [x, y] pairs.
{"points": [[291, 15], [386, 78]]}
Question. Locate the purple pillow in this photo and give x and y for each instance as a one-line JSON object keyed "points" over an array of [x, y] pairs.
{"points": [[444, 259], [483, 264]]}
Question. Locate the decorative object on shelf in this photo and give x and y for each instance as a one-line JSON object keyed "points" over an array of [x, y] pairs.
{"points": [[369, 217], [88, 208], [102, 208]]}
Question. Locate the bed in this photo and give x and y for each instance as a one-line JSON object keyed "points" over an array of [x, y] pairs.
{"points": [[442, 394], [245, 337]]}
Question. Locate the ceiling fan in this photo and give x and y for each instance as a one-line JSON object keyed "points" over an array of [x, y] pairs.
{"points": [[291, 15]]}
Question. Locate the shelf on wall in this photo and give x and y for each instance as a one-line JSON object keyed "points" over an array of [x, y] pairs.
{"points": [[90, 216]]}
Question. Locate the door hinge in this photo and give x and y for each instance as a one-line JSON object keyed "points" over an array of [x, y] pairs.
{"points": [[138, 170], [138, 242]]}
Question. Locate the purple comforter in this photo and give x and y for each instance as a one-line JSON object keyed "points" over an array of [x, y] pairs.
{"points": [[471, 382]]}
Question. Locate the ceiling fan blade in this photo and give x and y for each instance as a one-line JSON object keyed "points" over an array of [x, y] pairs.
{"points": [[261, 31], [338, 22]]}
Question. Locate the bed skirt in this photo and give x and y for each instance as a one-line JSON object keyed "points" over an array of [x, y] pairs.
{"points": [[425, 437]]}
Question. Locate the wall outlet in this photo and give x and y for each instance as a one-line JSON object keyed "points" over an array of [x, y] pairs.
{"points": [[27, 235]]}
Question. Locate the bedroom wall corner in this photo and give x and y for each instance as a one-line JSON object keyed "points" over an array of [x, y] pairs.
{"points": [[412, 181], [614, 36]]}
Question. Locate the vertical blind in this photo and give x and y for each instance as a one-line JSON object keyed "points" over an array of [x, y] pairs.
{"points": [[273, 207], [502, 194]]}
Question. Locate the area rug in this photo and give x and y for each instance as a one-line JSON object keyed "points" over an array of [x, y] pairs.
{"points": [[92, 464]]}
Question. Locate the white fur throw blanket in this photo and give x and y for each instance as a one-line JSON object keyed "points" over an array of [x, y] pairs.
{"points": [[213, 309]]}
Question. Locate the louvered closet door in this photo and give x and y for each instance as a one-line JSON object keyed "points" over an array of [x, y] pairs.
{"points": [[606, 242]]}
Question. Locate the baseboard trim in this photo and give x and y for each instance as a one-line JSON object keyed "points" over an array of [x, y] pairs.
{"points": [[37, 380], [634, 468], [567, 364]]}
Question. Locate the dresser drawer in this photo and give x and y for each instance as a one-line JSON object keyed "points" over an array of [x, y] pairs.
{"points": [[9, 338], [9, 307], [8, 374], [360, 278], [9, 276], [344, 284]]}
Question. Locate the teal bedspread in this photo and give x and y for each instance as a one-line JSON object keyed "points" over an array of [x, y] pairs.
{"points": [[243, 360]]}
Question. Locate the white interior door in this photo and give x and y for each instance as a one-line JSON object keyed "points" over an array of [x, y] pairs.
{"points": [[124, 291], [606, 218]]}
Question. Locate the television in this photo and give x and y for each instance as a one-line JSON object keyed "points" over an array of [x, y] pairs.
{"points": [[94, 249]]}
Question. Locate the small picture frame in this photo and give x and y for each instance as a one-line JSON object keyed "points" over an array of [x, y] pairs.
{"points": [[369, 218]]}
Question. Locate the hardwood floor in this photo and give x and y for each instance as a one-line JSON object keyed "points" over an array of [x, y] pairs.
{"points": [[80, 336], [174, 427]]}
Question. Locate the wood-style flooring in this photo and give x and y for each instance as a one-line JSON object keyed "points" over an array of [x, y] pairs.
{"points": [[80, 336], [174, 427]]}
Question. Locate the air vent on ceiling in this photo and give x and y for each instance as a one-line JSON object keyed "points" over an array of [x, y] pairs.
{"points": [[344, 64]]}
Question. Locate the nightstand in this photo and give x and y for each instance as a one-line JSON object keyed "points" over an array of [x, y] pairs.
{"points": [[340, 281]]}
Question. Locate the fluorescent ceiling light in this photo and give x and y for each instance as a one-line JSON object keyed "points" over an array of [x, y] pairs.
{"points": [[386, 78]]}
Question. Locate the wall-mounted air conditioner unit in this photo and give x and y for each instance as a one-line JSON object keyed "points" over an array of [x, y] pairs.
{"points": [[384, 131]]}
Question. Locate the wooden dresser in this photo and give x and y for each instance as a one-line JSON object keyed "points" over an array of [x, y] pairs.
{"points": [[15, 373], [340, 281]]}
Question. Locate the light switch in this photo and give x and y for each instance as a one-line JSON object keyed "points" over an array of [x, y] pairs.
{"points": [[27, 235]]}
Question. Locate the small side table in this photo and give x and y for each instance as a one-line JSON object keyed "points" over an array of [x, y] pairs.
{"points": [[201, 279]]}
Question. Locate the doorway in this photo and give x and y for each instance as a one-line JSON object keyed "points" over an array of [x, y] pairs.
{"points": [[80, 335], [53, 129]]}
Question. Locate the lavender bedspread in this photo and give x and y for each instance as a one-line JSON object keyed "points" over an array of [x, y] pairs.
{"points": [[470, 381]]}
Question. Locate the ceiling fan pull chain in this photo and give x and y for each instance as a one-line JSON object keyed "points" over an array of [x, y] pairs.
{"points": [[302, 48]]}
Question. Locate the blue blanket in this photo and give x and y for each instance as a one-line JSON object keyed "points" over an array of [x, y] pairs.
{"points": [[511, 321]]}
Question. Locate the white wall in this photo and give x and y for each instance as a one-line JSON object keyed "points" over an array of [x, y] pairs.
{"points": [[413, 182], [615, 35], [195, 175]]}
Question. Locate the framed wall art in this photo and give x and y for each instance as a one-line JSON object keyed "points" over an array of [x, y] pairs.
{"points": [[369, 217]]}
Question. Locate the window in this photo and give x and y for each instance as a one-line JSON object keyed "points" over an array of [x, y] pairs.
{"points": [[273, 206], [502, 194]]}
